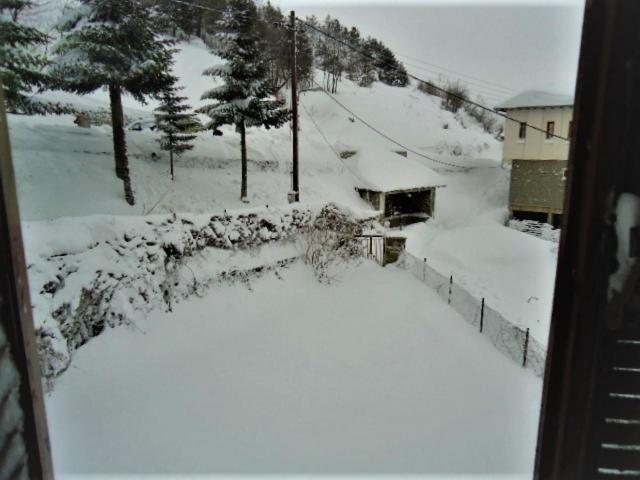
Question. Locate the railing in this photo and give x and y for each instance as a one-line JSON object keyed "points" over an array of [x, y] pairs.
{"points": [[513, 341]]}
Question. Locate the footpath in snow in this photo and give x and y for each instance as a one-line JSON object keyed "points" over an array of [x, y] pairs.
{"points": [[374, 374]]}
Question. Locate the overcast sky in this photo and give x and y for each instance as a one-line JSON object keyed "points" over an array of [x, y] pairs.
{"points": [[498, 48]]}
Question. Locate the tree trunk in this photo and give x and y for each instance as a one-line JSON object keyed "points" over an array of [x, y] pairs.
{"points": [[243, 152], [119, 143], [171, 161]]}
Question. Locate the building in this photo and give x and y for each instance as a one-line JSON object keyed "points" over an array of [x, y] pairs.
{"points": [[538, 159], [400, 187]]}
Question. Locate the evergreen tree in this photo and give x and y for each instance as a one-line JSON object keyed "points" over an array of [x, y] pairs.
{"points": [[390, 70], [245, 99], [277, 45], [178, 19], [22, 62], [176, 123], [113, 44]]}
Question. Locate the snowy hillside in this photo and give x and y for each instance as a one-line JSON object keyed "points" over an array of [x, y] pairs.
{"points": [[207, 178]]}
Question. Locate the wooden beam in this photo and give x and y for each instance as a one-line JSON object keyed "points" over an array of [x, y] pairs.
{"points": [[15, 311], [602, 165]]}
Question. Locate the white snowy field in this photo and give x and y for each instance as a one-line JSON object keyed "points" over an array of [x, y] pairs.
{"points": [[374, 374]]}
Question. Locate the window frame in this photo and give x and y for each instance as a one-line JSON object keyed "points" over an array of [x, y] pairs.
{"points": [[522, 131], [550, 131]]}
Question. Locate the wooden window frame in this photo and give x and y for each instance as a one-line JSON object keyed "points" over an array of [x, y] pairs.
{"points": [[551, 126], [522, 131], [602, 165], [15, 314]]}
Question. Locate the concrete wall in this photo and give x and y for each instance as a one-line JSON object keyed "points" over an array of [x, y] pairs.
{"points": [[535, 146], [537, 185]]}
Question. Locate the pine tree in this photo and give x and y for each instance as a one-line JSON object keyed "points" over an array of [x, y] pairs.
{"points": [[113, 44], [390, 70], [22, 62], [245, 99], [176, 123]]}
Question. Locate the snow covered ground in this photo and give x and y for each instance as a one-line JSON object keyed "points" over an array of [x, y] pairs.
{"points": [[374, 374], [512, 270]]}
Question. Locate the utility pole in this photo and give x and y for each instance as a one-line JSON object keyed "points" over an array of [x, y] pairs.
{"points": [[295, 187]]}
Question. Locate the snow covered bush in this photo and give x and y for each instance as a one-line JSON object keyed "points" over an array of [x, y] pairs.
{"points": [[331, 240], [89, 274]]}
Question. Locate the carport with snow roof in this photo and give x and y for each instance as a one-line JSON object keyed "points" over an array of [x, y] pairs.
{"points": [[401, 188]]}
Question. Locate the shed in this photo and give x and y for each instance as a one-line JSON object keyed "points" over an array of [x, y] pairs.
{"points": [[401, 188]]}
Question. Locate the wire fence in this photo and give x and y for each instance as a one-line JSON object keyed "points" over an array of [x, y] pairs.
{"points": [[513, 341]]}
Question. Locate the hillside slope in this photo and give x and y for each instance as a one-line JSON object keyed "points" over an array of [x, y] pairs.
{"points": [[57, 160]]}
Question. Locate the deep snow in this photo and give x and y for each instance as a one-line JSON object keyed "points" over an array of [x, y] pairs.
{"points": [[374, 374], [377, 374]]}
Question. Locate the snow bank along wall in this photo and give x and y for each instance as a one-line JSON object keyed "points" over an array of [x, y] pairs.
{"points": [[87, 274], [513, 341]]}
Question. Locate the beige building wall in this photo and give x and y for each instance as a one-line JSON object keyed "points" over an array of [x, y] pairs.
{"points": [[535, 146]]}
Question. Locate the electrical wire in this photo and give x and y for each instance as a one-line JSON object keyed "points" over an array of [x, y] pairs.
{"points": [[450, 94], [496, 85], [326, 140], [384, 135]]}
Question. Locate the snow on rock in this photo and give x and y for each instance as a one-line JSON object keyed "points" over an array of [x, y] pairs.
{"points": [[90, 273], [97, 272]]}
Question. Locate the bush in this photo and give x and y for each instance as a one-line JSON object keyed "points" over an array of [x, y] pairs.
{"points": [[329, 241], [487, 120], [455, 97], [429, 89]]}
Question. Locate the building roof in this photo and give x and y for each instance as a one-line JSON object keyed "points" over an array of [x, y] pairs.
{"points": [[386, 171], [536, 98]]}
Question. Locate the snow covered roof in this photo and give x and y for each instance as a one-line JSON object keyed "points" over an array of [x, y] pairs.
{"points": [[386, 171], [536, 98]]}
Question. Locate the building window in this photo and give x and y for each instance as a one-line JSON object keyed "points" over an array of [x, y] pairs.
{"points": [[522, 132], [550, 128]]}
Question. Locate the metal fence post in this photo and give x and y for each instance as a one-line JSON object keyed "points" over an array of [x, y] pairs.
{"points": [[450, 285], [482, 315], [526, 347], [424, 269]]}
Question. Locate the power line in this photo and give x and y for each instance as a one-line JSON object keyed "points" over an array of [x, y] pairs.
{"points": [[450, 94], [201, 7], [486, 95], [384, 135], [487, 92], [496, 85], [326, 140]]}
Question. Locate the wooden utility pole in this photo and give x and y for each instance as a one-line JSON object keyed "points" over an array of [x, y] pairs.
{"points": [[295, 186]]}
